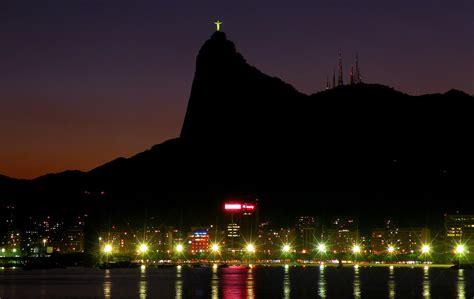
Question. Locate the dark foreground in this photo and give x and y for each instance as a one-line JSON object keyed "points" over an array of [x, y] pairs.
{"points": [[259, 282]]}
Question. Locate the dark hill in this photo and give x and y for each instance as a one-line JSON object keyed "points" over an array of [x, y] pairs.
{"points": [[245, 131], [254, 128], [234, 102], [6, 181]]}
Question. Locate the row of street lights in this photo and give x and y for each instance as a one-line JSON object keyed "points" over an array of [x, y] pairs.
{"points": [[459, 249], [286, 248]]}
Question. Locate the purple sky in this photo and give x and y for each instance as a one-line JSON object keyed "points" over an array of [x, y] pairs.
{"points": [[83, 82]]}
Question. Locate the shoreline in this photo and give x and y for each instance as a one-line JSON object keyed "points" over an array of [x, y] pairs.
{"points": [[254, 265]]}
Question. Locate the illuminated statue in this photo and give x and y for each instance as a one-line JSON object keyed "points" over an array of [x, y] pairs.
{"points": [[218, 25]]}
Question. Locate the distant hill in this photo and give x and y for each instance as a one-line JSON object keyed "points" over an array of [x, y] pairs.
{"points": [[5, 180], [245, 130]]}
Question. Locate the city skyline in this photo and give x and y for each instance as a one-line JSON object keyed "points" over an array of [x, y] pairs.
{"points": [[236, 227], [75, 96]]}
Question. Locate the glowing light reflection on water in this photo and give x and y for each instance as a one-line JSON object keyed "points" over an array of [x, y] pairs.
{"points": [[215, 283], [107, 284], [426, 283], [142, 284], [461, 285], [179, 283], [240, 282], [357, 292], [286, 283], [250, 284], [322, 282]]}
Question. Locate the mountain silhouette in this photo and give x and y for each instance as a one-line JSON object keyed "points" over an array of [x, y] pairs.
{"points": [[245, 130], [264, 131], [232, 101], [7, 182]]}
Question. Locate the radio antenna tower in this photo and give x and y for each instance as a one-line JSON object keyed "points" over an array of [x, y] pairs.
{"points": [[340, 79], [358, 77]]}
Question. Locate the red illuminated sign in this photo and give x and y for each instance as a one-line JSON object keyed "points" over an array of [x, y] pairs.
{"points": [[233, 207], [248, 207]]}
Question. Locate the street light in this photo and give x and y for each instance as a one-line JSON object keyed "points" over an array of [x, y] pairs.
{"points": [[179, 250], [107, 248], [460, 249], [391, 249], [214, 247], [322, 248], [250, 248], [425, 249], [356, 249], [143, 248], [44, 246], [286, 248]]}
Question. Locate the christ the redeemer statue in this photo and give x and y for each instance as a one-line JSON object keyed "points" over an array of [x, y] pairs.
{"points": [[218, 25]]}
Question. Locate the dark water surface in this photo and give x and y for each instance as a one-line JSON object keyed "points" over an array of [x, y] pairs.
{"points": [[260, 282]]}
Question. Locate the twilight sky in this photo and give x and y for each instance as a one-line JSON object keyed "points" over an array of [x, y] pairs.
{"points": [[83, 82]]}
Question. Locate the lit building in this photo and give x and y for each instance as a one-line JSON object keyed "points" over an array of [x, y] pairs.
{"points": [[403, 240], [378, 240], [11, 235], [344, 233], [267, 237], [73, 240], [306, 229], [216, 235], [286, 235], [381, 238], [459, 229], [199, 241], [161, 240], [174, 237], [410, 240], [270, 241], [233, 230], [242, 224], [122, 241], [43, 235]]}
